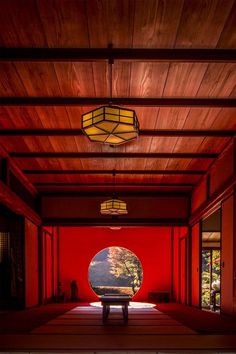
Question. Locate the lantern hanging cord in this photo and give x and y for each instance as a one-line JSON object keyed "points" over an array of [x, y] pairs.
{"points": [[111, 62]]}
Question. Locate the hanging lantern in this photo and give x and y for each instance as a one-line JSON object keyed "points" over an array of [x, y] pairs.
{"points": [[113, 207], [110, 125]]}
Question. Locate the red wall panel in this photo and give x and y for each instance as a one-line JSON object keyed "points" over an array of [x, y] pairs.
{"points": [[183, 273], [152, 245], [31, 264], [176, 279], [195, 268], [49, 260], [55, 261], [227, 256]]}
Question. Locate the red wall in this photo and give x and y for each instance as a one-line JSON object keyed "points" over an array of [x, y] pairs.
{"points": [[227, 261], [152, 245], [31, 264], [195, 271]]}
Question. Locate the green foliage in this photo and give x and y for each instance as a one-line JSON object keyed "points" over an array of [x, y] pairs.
{"points": [[125, 264], [210, 273]]}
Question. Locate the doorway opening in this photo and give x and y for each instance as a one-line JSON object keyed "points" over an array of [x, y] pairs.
{"points": [[115, 270], [211, 262]]}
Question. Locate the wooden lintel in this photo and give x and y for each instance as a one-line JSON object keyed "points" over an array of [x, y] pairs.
{"points": [[110, 221]]}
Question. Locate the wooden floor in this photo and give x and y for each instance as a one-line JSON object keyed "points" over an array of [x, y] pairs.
{"points": [[148, 330]]}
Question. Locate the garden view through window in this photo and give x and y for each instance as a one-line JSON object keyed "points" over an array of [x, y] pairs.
{"points": [[115, 270]]}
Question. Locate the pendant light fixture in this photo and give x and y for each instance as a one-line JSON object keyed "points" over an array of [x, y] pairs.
{"points": [[114, 206], [110, 124]]}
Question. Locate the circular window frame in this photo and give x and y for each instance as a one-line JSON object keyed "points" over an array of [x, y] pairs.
{"points": [[129, 251]]}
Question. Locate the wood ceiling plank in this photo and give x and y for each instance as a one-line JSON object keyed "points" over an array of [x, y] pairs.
{"points": [[85, 145], [52, 163], [201, 118], [20, 117], [148, 79], [100, 79], [179, 164], [35, 164], [78, 79], [183, 144], [171, 117], [174, 118], [147, 116], [93, 164], [155, 164], [218, 81], [210, 144], [64, 23], [10, 82], [188, 145], [121, 73], [211, 236], [63, 145], [162, 144], [28, 118], [184, 79], [20, 25], [202, 23], [156, 23], [226, 119], [14, 144], [142, 143], [39, 79], [198, 164], [52, 117], [27, 144], [228, 35], [103, 164], [110, 22]]}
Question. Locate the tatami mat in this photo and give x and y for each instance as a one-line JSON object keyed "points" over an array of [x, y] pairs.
{"points": [[88, 320]]}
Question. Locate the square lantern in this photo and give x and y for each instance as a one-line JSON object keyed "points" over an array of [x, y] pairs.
{"points": [[110, 125], [113, 207]]}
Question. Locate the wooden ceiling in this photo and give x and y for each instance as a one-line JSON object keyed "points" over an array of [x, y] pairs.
{"points": [[211, 236], [182, 85]]}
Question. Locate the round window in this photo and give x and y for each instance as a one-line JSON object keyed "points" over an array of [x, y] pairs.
{"points": [[115, 270]]}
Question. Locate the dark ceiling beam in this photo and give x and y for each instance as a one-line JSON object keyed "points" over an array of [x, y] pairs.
{"points": [[68, 184], [134, 54], [111, 221], [114, 155], [126, 101], [111, 172], [142, 132]]}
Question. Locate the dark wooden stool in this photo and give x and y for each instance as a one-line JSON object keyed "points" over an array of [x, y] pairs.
{"points": [[115, 300]]}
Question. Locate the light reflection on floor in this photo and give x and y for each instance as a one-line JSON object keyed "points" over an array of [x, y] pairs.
{"points": [[132, 304]]}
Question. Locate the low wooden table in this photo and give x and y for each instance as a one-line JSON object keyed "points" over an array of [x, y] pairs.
{"points": [[115, 300]]}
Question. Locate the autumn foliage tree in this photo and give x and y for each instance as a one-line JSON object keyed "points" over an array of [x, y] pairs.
{"points": [[124, 264]]}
